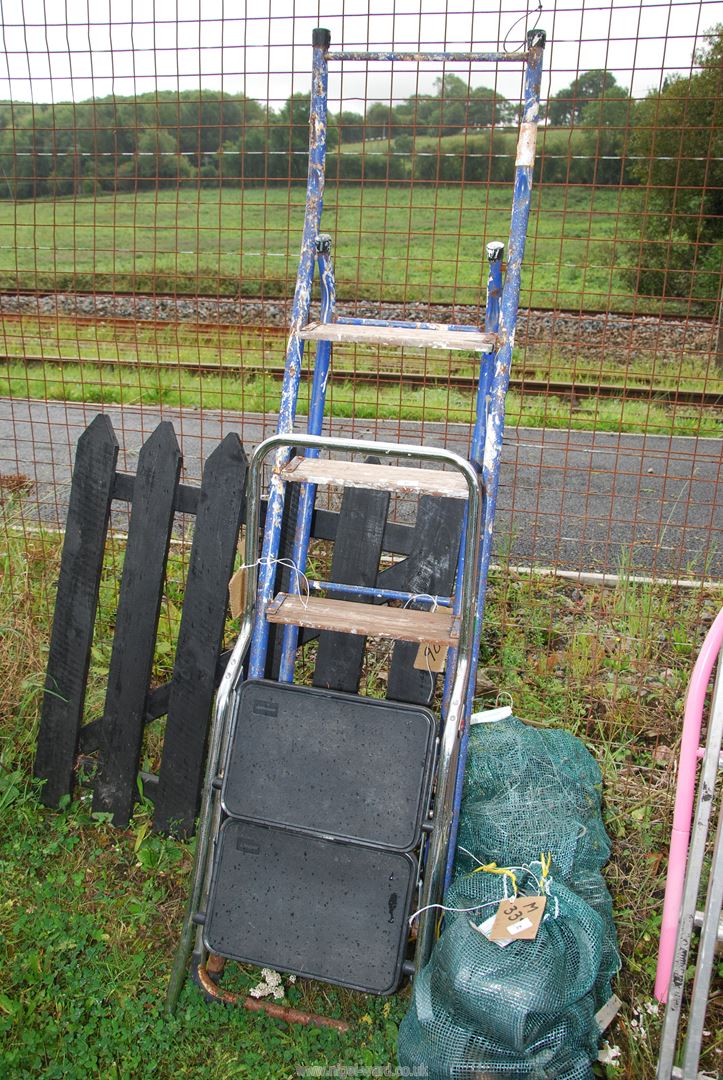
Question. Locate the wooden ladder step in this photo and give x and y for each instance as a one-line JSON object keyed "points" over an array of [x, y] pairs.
{"points": [[436, 337], [440, 627], [357, 474]]}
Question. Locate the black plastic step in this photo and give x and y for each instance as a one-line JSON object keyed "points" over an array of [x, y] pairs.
{"points": [[331, 764], [318, 908]]}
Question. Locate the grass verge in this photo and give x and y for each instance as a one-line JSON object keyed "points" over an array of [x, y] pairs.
{"points": [[413, 241], [231, 392], [90, 915]]}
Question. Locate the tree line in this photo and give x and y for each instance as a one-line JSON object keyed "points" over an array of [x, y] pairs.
{"points": [[669, 145], [167, 138]]}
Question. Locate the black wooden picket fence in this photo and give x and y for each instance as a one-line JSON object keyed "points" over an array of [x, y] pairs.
{"points": [[361, 533]]}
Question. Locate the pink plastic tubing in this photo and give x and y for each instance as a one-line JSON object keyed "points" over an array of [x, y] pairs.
{"points": [[684, 798]]}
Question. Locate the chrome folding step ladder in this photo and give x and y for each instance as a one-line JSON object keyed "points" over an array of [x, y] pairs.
{"points": [[454, 622]]}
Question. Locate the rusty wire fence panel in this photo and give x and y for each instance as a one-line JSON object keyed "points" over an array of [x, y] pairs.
{"points": [[152, 178], [151, 194]]}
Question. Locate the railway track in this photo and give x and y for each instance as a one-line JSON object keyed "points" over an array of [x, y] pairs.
{"points": [[522, 383], [284, 301], [571, 331], [607, 338]]}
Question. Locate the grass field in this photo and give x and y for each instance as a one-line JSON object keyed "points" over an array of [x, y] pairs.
{"points": [[90, 915], [409, 242]]}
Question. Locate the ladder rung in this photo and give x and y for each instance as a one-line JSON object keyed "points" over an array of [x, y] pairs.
{"points": [[326, 471], [677, 1074], [435, 57], [440, 337], [698, 924], [346, 617]]}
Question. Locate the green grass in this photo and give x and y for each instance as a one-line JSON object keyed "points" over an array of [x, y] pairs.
{"points": [[131, 375], [228, 346], [410, 242], [133, 353], [133, 386], [90, 915]]}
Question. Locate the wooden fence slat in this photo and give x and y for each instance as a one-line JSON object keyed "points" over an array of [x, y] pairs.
{"points": [[149, 534], [430, 568], [91, 734], [219, 515], [397, 537], [71, 638], [358, 547], [186, 494]]}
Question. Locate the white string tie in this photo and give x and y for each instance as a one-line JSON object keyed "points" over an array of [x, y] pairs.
{"points": [[289, 564], [435, 605]]}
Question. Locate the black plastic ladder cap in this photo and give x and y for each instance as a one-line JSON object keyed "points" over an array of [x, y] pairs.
{"points": [[320, 38]]}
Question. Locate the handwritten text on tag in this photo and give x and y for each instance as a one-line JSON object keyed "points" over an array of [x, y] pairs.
{"points": [[431, 656], [518, 919]]}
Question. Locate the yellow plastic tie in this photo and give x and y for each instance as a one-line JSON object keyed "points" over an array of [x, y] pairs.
{"points": [[493, 868], [545, 863]]}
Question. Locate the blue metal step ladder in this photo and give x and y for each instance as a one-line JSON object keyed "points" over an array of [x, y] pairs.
{"points": [[454, 622]]}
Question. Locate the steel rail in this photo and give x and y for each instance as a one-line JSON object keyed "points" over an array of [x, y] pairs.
{"points": [[669, 395]]}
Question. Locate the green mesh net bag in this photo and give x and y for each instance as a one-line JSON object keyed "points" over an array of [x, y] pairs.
{"points": [[528, 790], [525, 1010], [433, 1037], [514, 993]]}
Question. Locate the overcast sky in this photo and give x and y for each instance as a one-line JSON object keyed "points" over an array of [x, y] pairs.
{"points": [[57, 50]]}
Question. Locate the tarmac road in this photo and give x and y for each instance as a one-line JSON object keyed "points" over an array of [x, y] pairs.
{"points": [[577, 500]]}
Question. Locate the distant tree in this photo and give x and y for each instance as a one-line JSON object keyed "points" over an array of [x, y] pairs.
{"points": [[611, 109], [487, 107], [289, 138], [457, 107], [350, 126], [606, 123], [677, 152], [378, 121], [566, 105]]}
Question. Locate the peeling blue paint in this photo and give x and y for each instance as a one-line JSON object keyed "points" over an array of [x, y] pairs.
{"points": [[500, 319], [307, 493], [434, 57], [294, 351], [405, 325], [488, 444]]}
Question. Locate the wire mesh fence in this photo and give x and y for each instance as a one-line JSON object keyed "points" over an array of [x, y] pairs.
{"points": [[153, 175], [151, 196], [152, 182], [151, 199]]}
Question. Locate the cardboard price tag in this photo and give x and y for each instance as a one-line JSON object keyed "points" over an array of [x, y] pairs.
{"points": [[237, 592], [518, 919], [431, 656]]}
